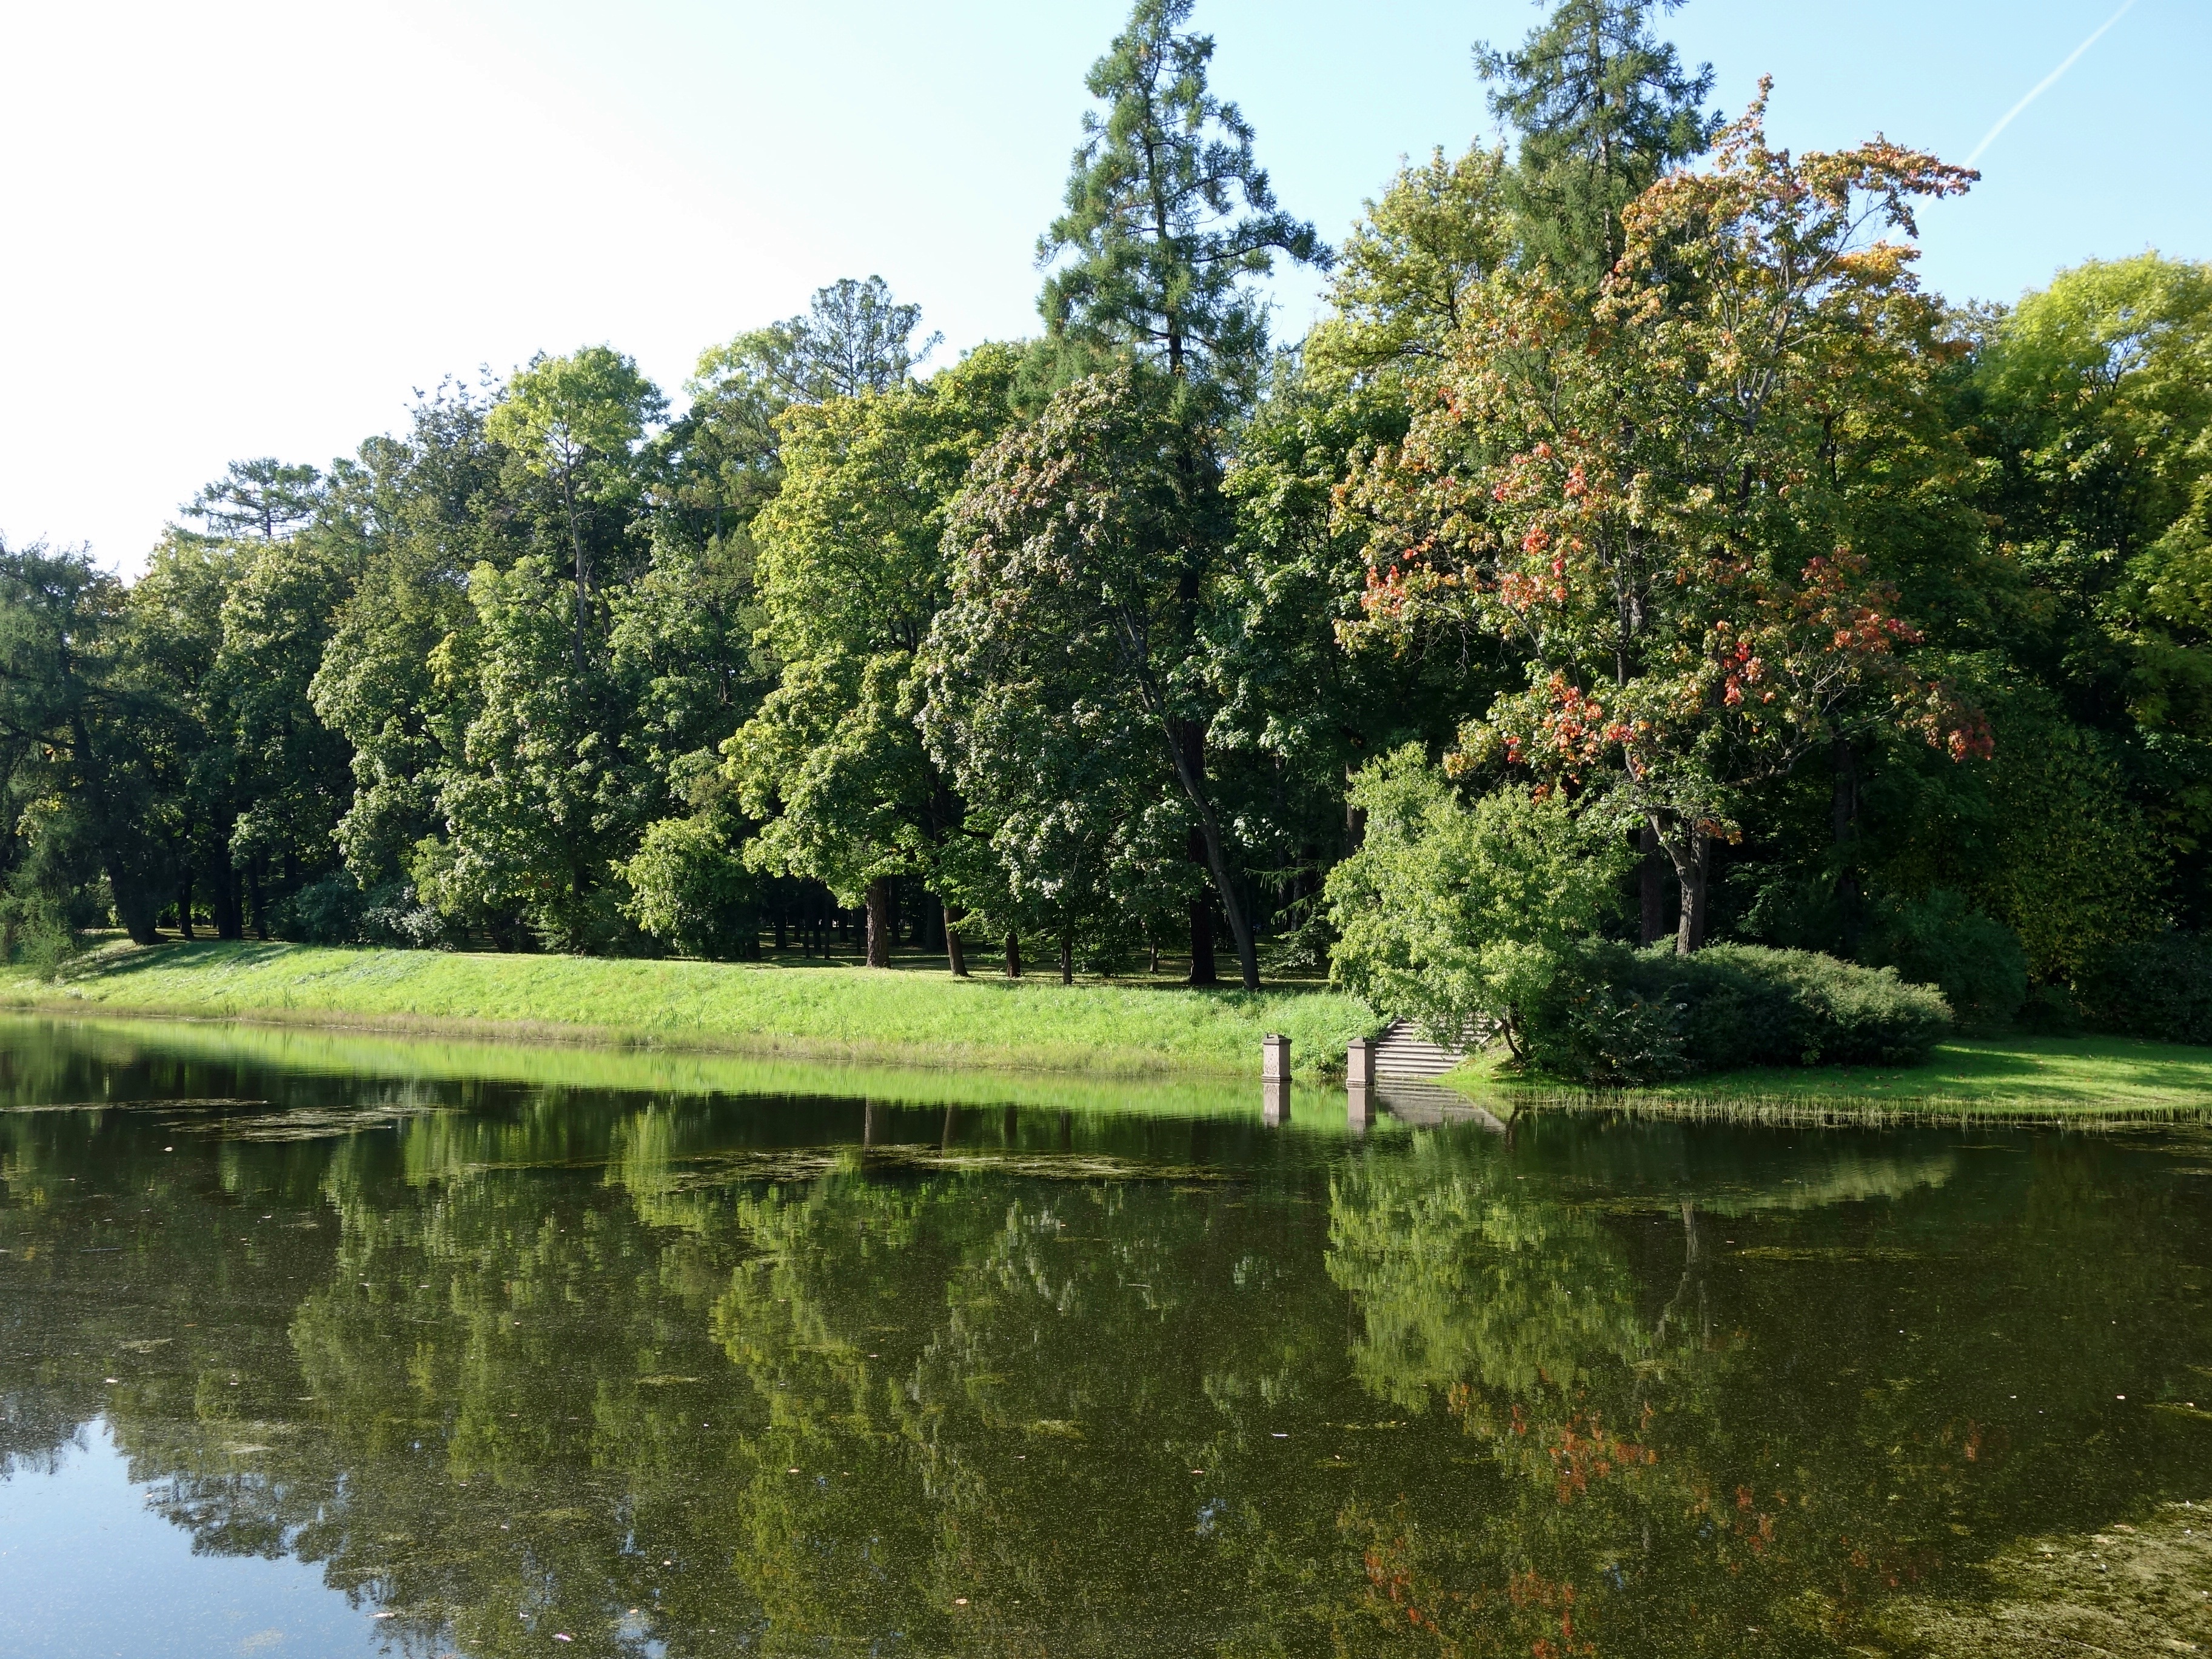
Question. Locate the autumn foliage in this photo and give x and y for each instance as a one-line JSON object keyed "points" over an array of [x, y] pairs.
{"points": [[1654, 498]]}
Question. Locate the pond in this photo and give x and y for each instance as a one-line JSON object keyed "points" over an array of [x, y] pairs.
{"points": [[324, 1345]]}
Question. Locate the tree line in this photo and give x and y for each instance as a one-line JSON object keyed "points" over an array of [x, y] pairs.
{"points": [[1631, 495]]}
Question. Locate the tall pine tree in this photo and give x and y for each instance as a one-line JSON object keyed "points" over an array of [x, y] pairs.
{"points": [[1169, 215], [1603, 108]]}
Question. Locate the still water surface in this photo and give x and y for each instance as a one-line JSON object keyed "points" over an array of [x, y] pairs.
{"points": [[311, 1348]]}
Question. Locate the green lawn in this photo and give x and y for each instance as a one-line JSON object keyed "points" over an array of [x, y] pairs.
{"points": [[817, 1011], [2040, 1077]]}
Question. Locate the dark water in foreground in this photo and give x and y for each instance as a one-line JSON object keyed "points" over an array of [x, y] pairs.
{"points": [[295, 1361]]}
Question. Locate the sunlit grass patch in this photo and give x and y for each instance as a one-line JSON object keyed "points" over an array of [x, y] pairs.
{"points": [[820, 1011], [2034, 1079]]}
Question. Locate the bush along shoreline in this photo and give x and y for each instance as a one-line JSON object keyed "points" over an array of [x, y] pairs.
{"points": [[1501, 915], [1615, 1017]]}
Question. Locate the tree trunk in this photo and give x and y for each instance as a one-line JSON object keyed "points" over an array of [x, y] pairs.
{"points": [[1707, 850], [880, 922], [1013, 956], [1203, 971], [1067, 958], [1690, 850], [955, 957], [134, 906], [184, 905], [1652, 884], [253, 892], [1190, 770], [230, 918], [1190, 757]]}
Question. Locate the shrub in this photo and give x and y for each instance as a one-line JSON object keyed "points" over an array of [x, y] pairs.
{"points": [[1449, 912], [1614, 1016], [2159, 988], [326, 912], [689, 890], [1592, 1023], [1943, 941]]}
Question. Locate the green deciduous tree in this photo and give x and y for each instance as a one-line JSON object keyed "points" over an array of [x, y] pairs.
{"points": [[2091, 402], [551, 788], [576, 422], [851, 572], [416, 514], [1449, 913], [1086, 544], [82, 733], [1395, 302]]}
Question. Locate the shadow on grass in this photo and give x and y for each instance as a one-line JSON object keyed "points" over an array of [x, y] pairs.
{"points": [[120, 962], [112, 964]]}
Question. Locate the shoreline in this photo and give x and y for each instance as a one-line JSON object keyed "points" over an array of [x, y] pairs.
{"points": [[1142, 1035], [824, 1013], [2078, 1082]]}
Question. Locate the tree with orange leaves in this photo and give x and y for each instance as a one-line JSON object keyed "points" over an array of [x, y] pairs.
{"points": [[1656, 496]]}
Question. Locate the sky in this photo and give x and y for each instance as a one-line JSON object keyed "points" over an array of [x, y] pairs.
{"points": [[242, 228]]}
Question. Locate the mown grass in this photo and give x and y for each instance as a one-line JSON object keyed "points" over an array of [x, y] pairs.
{"points": [[2028, 1078], [818, 1012]]}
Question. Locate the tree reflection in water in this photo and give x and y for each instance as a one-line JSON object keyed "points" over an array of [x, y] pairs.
{"points": [[717, 1374]]}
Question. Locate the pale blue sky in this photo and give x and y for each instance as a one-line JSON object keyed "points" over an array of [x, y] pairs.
{"points": [[250, 227]]}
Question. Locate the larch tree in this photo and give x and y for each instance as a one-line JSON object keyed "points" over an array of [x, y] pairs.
{"points": [[1169, 215], [263, 497]]}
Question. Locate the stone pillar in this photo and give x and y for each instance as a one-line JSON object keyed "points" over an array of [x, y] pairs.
{"points": [[1275, 1059], [1359, 1064]]}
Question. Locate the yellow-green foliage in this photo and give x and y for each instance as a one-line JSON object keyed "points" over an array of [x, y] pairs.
{"points": [[843, 1012]]}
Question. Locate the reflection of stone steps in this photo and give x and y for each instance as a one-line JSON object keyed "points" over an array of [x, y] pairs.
{"points": [[1402, 1051], [1426, 1105]]}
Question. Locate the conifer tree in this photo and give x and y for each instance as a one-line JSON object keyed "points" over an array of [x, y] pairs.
{"points": [[1603, 108], [1169, 215]]}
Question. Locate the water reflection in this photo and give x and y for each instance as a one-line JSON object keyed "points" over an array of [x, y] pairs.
{"points": [[682, 1373]]}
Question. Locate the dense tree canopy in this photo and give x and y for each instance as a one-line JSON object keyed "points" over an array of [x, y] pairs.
{"points": [[1630, 494]]}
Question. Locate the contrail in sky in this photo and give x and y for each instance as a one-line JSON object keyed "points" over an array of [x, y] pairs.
{"points": [[2047, 81]]}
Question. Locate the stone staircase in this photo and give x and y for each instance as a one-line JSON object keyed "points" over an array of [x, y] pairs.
{"points": [[1402, 1052]]}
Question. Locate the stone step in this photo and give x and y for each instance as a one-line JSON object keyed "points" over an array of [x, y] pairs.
{"points": [[1402, 1051]]}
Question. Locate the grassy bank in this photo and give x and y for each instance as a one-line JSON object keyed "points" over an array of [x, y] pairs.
{"points": [[819, 1013], [2026, 1078]]}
